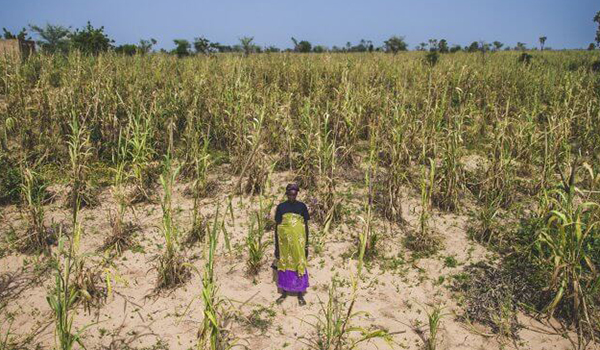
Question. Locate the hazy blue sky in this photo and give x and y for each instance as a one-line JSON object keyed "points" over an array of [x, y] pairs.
{"points": [[566, 23]]}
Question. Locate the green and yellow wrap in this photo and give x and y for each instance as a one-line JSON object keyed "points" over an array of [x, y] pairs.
{"points": [[292, 240]]}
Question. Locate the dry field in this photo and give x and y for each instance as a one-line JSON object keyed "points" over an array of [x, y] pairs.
{"points": [[453, 205]]}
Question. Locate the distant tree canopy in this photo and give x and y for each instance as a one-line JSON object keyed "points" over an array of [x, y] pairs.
{"points": [[455, 48], [484, 47], [433, 45], [54, 38], [22, 35], [145, 46], [90, 40], [362, 46], [127, 49], [443, 46], [319, 49], [395, 44], [542, 42], [271, 48], [182, 47], [202, 45], [301, 46], [521, 46], [474, 47], [248, 46]]}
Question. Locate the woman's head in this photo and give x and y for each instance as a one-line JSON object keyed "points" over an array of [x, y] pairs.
{"points": [[291, 190]]}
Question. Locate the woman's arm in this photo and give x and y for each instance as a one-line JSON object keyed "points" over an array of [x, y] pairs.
{"points": [[306, 244], [276, 241]]}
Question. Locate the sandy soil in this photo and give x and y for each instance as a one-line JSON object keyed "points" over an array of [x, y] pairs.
{"points": [[134, 317]]}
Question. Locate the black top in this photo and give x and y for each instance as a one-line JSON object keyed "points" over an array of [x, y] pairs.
{"points": [[295, 207]]}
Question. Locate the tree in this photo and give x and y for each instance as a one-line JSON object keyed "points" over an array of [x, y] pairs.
{"points": [[362, 46], [22, 35], [221, 48], [54, 38], [319, 49], [474, 47], [497, 45], [202, 45], [145, 46], [395, 44], [455, 48], [542, 42], [421, 47], [443, 46], [183, 47], [592, 47], [521, 46], [433, 45], [90, 40], [597, 20], [272, 48], [247, 46], [127, 49], [301, 46], [484, 47]]}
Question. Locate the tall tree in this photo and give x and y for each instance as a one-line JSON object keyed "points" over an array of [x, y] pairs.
{"points": [[443, 46], [521, 46], [433, 45], [395, 44], [202, 45], [145, 46], [22, 35], [54, 38], [542, 42], [90, 40], [497, 45], [474, 47], [301, 46], [247, 45], [182, 48]]}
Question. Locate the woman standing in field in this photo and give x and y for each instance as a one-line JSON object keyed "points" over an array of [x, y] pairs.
{"points": [[291, 245]]}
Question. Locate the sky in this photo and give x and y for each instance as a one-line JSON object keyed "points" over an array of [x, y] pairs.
{"points": [[566, 23]]}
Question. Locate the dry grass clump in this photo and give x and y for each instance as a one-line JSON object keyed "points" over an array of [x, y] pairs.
{"points": [[121, 236], [491, 297]]}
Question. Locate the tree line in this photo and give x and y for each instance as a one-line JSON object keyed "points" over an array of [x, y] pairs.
{"points": [[92, 40]]}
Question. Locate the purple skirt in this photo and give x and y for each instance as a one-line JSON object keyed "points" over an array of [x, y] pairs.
{"points": [[289, 281]]}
